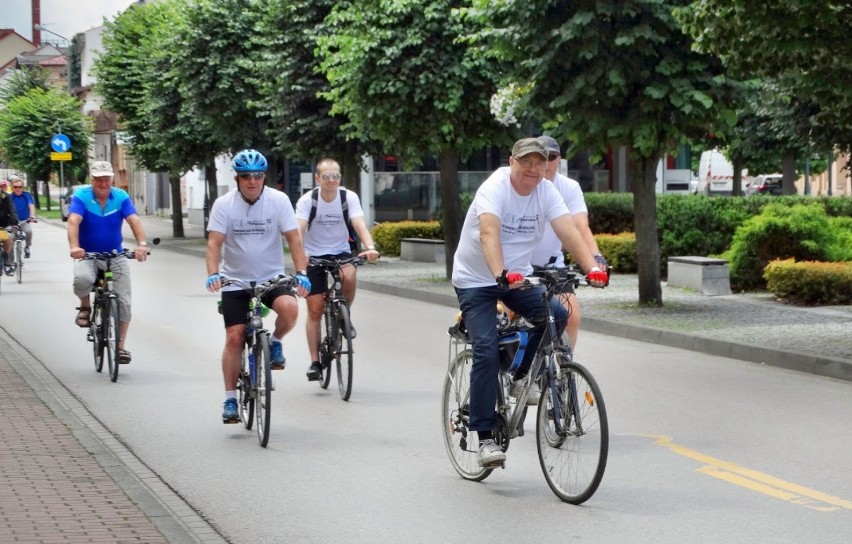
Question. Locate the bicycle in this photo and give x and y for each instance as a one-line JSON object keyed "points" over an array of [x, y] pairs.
{"points": [[104, 321], [572, 432], [17, 263], [254, 384], [336, 326]]}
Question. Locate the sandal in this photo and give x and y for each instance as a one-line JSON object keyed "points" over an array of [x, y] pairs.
{"points": [[83, 314], [123, 356]]}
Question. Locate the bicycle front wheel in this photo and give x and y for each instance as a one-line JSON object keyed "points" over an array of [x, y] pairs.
{"points": [[343, 356], [19, 261], [96, 335], [245, 400], [263, 400], [328, 344], [462, 444], [572, 434], [111, 336]]}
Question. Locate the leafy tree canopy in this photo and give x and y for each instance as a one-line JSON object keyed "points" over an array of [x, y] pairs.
{"points": [[399, 73], [802, 44], [28, 122], [20, 81]]}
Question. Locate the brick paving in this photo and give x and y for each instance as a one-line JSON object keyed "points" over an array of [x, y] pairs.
{"points": [[51, 489]]}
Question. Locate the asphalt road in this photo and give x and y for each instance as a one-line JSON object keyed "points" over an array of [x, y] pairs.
{"points": [[703, 448]]}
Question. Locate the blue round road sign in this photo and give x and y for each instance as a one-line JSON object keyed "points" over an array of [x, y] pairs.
{"points": [[60, 143]]}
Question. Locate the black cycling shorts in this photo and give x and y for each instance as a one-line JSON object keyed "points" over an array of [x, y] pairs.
{"points": [[318, 275], [235, 304]]}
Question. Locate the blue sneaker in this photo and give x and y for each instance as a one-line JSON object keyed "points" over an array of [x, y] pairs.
{"points": [[277, 353], [230, 414]]}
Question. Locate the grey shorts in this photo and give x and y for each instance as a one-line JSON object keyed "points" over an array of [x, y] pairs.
{"points": [[85, 273]]}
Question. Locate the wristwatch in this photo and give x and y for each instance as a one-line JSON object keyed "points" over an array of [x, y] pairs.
{"points": [[143, 243]]}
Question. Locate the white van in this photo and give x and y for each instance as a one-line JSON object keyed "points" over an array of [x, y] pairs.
{"points": [[716, 174]]}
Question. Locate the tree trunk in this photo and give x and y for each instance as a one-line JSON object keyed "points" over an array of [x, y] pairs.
{"points": [[788, 169], [177, 206], [211, 181], [737, 188], [350, 167], [643, 170], [448, 164]]}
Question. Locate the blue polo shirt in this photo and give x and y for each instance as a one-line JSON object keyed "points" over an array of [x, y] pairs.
{"points": [[22, 204], [100, 229]]}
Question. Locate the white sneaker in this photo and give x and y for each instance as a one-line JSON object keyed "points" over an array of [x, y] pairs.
{"points": [[490, 454], [518, 386]]}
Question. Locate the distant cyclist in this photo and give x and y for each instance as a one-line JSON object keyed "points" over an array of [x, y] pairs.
{"points": [[8, 217], [244, 243], [25, 206], [322, 225]]}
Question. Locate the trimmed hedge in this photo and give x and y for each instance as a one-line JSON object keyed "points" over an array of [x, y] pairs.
{"points": [[620, 251], [387, 236], [810, 283], [803, 233]]}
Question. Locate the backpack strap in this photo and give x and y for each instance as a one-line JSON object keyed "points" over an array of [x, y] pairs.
{"points": [[314, 197], [345, 206]]}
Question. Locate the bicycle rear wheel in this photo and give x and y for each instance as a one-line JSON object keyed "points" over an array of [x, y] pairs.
{"points": [[263, 402], [572, 434], [111, 336], [19, 261], [343, 356], [245, 401], [327, 345], [96, 335], [462, 444]]}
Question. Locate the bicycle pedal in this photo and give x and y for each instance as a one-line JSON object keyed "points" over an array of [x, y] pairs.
{"points": [[495, 464]]}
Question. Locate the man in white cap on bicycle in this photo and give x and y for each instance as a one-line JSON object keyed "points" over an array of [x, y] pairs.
{"points": [[95, 218]]}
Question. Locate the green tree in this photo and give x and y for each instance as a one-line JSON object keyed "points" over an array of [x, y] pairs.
{"points": [[29, 121], [290, 84], [20, 81], [137, 81], [803, 45], [613, 73], [216, 58], [400, 75]]}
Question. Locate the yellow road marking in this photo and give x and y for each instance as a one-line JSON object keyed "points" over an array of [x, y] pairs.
{"points": [[756, 481]]}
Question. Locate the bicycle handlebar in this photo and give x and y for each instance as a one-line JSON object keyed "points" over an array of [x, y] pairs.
{"points": [[258, 289], [335, 262], [107, 255]]}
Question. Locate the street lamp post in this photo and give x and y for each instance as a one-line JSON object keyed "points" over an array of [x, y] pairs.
{"points": [[43, 29]]}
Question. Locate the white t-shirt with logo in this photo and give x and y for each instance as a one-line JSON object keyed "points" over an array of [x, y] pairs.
{"points": [[550, 245], [328, 234], [522, 221], [253, 249]]}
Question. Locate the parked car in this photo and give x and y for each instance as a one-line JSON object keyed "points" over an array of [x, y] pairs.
{"points": [[65, 201], [769, 184]]}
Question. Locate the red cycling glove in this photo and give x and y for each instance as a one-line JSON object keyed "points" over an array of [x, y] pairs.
{"points": [[597, 276], [513, 277]]}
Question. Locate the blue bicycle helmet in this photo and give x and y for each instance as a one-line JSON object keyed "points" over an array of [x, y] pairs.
{"points": [[249, 160]]}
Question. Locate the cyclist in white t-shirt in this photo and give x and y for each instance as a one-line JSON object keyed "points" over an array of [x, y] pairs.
{"points": [[503, 225], [327, 235], [549, 250], [244, 243]]}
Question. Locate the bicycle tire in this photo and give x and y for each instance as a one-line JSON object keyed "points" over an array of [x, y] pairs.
{"points": [[245, 395], [111, 338], [96, 335], [461, 443], [343, 357], [263, 399], [573, 462], [19, 261], [327, 344]]}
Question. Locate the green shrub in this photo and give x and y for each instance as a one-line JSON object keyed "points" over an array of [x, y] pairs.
{"points": [[801, 232], [387, 236], [619, 250], [610, 213], [810, 283]]}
